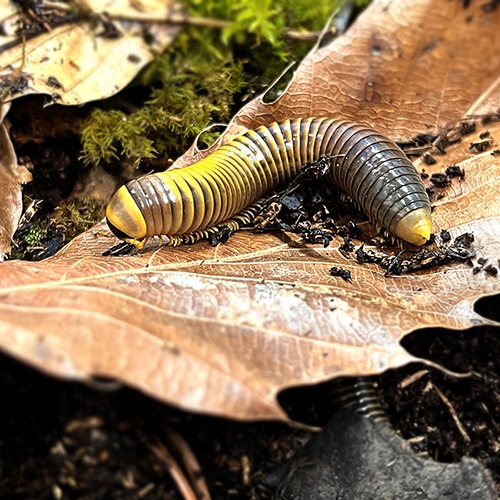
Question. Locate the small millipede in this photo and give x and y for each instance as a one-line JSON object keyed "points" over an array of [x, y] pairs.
{"points": [[189, 201]]}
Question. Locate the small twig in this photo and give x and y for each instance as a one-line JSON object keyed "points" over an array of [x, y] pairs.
{"points": [[454, 415], [493, 421], [207, 22], [307, 36], [246, 469], [416, 439], [191, 465], [411, 379], [417, 150], [175, 470]]}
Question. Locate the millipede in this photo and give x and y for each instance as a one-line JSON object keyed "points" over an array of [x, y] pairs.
{"points": [[187, 203]]}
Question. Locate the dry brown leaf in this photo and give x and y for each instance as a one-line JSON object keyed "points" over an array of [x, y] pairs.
{"points": [[404, 67], [223, 330], [475, 200], [88, 58], [12, 176]]}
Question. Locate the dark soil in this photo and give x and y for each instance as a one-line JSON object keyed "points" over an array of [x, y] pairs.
{"points": [[66, 440]]}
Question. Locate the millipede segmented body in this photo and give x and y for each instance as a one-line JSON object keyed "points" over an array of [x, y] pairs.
{"points": [[370, 168]]}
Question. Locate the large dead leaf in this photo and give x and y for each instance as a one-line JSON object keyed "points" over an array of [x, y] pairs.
{"points": [[78, 57], [223, 330], [405, 67]]}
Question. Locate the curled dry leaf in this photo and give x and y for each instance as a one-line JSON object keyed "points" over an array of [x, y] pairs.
{"points": [[404, 67], [76, 56], [12, 176], [223, 330]]}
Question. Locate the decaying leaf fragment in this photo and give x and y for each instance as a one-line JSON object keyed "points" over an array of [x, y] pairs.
{"points": [[12, 176], [223, 330], [77, 53]]}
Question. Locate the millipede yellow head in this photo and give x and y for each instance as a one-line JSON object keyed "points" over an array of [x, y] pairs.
{"points": [[125, 219], [415, 227]]}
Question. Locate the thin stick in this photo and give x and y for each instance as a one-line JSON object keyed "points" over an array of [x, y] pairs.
{"points": [[412, 378], [208, 22], [454, 415], [191, 464], [175, 471]]}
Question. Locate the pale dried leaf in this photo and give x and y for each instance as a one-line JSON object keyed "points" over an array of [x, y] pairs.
{"points": [[12, 176], [77, 62]]}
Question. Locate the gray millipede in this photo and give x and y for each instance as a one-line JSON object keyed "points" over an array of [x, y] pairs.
{"points": [[192, 200]]}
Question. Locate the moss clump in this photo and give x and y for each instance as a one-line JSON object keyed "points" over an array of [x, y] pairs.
{"points": [[109, 134], [33, 236], [44, 234], [198, 80], [78, 216], [186, 95]]}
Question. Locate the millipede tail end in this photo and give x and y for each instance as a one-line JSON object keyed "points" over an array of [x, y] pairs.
{"points": [[415, 227]]}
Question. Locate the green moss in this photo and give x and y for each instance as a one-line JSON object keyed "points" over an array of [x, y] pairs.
{"points": [[200, 78], [45, 233], [28, 240], [109, 134], [33, 236], [79, 215]]}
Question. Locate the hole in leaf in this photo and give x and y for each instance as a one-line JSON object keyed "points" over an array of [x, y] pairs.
{"points": [[474, 349], [209, 136], [488, 307], [276, 89]]}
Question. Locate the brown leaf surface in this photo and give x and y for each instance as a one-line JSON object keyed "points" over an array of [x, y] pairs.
{"points": [[12, 176], [475, 200], [221, 335], [81, 60], [223, 330]]}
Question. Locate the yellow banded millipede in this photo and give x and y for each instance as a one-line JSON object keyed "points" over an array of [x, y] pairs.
{"points": [[370, 168]]}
